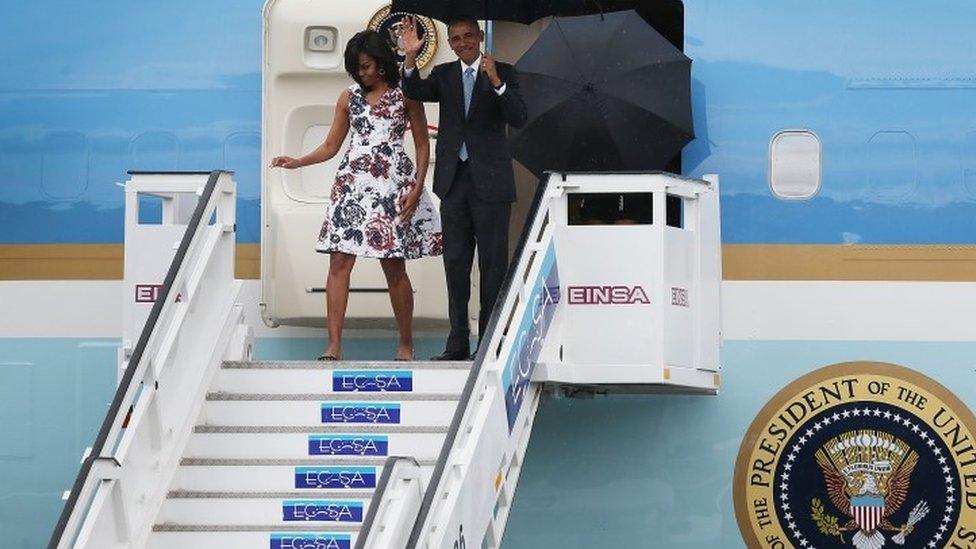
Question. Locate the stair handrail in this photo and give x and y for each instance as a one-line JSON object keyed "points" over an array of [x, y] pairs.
{"points": [[392, 469], [503, 308], [130, 387], [380, 492]]}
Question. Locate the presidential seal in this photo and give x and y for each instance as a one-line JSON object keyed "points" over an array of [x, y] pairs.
{"points": [[859, 454], [388, 24]]}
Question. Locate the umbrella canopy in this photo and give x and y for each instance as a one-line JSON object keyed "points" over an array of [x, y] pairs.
{"points": [[519, 11], [603, 93]]}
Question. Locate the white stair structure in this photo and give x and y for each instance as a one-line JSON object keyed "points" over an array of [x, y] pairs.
{"points": [[204, 447], [289, 453]]}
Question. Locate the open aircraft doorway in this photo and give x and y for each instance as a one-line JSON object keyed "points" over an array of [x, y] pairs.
{"points": [[303, 75]]}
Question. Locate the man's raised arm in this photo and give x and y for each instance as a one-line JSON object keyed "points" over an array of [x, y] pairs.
{"points": [[415, 87], [507, 88]]}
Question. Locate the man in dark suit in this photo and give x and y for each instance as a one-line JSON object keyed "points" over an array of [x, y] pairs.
{"points": [[473, 175]]}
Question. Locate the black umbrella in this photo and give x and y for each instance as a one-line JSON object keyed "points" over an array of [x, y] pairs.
{"points": [[603, 93], [519, 11]]}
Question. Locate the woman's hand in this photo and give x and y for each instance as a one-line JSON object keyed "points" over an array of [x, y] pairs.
{"points": [[408, 205], [286, 162]]}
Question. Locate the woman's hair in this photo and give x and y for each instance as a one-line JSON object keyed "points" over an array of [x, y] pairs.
{"points": [[374, 45]]}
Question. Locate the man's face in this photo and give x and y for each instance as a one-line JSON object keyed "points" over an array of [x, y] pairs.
{"points": [[465, 39]]}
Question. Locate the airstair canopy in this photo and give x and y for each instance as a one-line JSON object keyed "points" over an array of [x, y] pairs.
{"points": [[639, 270]]}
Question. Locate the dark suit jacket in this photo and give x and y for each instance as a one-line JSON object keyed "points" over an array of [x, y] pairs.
{"points": [[483, 130]]}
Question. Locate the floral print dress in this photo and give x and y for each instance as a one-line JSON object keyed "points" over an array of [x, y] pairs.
{"points": [[363, 215]]}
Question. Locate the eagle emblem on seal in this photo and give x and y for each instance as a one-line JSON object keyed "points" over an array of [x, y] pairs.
{"points": [[867, 475], [389, 24]]}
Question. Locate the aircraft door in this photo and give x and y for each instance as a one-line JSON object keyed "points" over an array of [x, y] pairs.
{"points": [[303, 76]]}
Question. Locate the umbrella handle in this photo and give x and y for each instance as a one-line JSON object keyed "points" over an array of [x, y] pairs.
{"points": [[489, 36]]}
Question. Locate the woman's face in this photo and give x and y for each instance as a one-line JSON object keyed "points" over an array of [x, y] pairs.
{"points": [[369, 71]]}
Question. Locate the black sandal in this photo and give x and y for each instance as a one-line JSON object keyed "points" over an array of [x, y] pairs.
{"points": [[326, 357]]}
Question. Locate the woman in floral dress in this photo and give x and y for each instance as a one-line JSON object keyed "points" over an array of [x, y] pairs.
{"points": [[378, 207]]}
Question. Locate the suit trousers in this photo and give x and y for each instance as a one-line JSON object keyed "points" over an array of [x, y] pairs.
{"points": [[467, 222]]}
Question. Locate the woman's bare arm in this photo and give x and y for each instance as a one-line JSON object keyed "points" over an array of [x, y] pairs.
{"points": [[421, 138], [421, 142]]}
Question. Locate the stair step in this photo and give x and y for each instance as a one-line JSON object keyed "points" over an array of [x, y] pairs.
{"points": [[193, 527], [347, 364], [337, 397], [288, 454], [339, 428], [324, 410], [347, 442], [357, 476], [342, 378], [285, 494], [309, 537], [296, 509]]}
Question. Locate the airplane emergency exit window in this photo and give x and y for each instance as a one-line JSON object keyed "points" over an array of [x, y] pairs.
{"points": [[611, 208], [794, 164]]}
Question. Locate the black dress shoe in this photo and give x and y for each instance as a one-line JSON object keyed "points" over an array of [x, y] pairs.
{"points": [[451, 355]]}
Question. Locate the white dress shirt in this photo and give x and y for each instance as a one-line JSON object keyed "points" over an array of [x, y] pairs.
{"points": [[476, 65]]}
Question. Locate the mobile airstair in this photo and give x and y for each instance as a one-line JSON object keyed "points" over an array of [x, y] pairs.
{"points": [[614, 287]]}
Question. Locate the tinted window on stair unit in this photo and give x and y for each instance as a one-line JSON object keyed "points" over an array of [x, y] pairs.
{"points": [[611, 208], [675, 211]]}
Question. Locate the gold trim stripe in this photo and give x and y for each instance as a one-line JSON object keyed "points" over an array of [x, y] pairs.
{"points": [[247, 264], [91, 261], [929, 263], [61, 262]]}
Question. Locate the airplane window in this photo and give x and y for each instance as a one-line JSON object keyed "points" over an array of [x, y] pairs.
{"points": [[242, 155], [891, 165], [65, 166], [794, 164], [154, 151], [969, 163]]}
